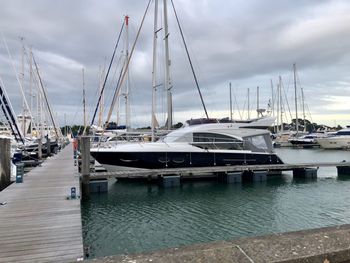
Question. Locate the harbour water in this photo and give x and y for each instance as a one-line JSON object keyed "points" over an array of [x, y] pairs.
{"points": [[137, 217]]}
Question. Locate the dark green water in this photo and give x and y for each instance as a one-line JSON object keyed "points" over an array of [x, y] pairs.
{"points": [[136, 217]]}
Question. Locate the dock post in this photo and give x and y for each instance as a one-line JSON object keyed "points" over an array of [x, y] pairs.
{"points": [[48, 146], [85, 165], [5, 162], [40, 149]]}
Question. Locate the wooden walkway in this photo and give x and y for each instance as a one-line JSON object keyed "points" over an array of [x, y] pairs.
{"points": [[198, 171], [37, 221]]}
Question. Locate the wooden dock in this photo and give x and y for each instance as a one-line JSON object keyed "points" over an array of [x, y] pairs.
{"points": [[37, 221], [198, 171]]}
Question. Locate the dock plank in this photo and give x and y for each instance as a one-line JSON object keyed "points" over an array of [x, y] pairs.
{"points": [[38, 223]]}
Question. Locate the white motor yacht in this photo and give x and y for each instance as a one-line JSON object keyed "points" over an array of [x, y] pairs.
{"points": [[213, 144], [339, 140]]}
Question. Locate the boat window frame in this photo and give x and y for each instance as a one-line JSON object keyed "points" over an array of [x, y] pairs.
{"points": [[250, 144], [216, 141]]}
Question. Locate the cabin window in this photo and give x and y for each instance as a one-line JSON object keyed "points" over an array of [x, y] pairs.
{"points": [[343, 133], [216, 141]]}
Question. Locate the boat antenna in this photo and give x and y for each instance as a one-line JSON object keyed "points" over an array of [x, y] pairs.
{"points": [[189, 59], [109, 68]]}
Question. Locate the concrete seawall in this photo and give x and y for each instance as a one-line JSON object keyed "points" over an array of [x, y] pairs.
{"points": [[328, 245]]}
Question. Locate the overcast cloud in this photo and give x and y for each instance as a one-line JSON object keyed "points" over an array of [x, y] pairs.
{"points": [[245, 42]]}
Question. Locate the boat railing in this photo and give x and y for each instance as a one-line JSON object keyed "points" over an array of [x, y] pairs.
{"points": [[107, 141]]}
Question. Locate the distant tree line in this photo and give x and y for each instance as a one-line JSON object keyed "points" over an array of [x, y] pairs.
{"points": [[310, 126], [75, 130]]}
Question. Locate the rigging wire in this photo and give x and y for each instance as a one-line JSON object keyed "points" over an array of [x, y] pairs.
{"points": [[36, 82], [8, 112], [128, 61], [45, 96], [109, 68], [115, 95], [189, 59], [285, 96], [236, 103], [16, 74]]}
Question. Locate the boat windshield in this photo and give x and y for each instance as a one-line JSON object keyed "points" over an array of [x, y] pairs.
{"points": [[258, 143]]}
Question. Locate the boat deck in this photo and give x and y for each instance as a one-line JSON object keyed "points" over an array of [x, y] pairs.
{"points": [[37, 221]]}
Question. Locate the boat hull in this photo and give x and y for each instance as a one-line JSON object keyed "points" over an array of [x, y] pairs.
{"points": [[304, 143], [157, 160], [335, 142]]}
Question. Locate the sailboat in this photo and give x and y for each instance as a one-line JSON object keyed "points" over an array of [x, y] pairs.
{"points": [[260, 122]]}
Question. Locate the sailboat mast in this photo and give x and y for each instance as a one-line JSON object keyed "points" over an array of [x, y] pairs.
{"points": [[65, 124], [230, 103], [248, 105], [296, 99], [84, 109], [257, 101], [57, 132], [303, 103], [154, 69], [42, 132], [167, 66], [23, 102], [38, 116], [189, 60], [127, 102], [273, 104], [31, 89], [100, 114], [281, 104]]}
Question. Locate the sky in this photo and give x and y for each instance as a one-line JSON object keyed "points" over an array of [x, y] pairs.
{"points": [[246, 43]]}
